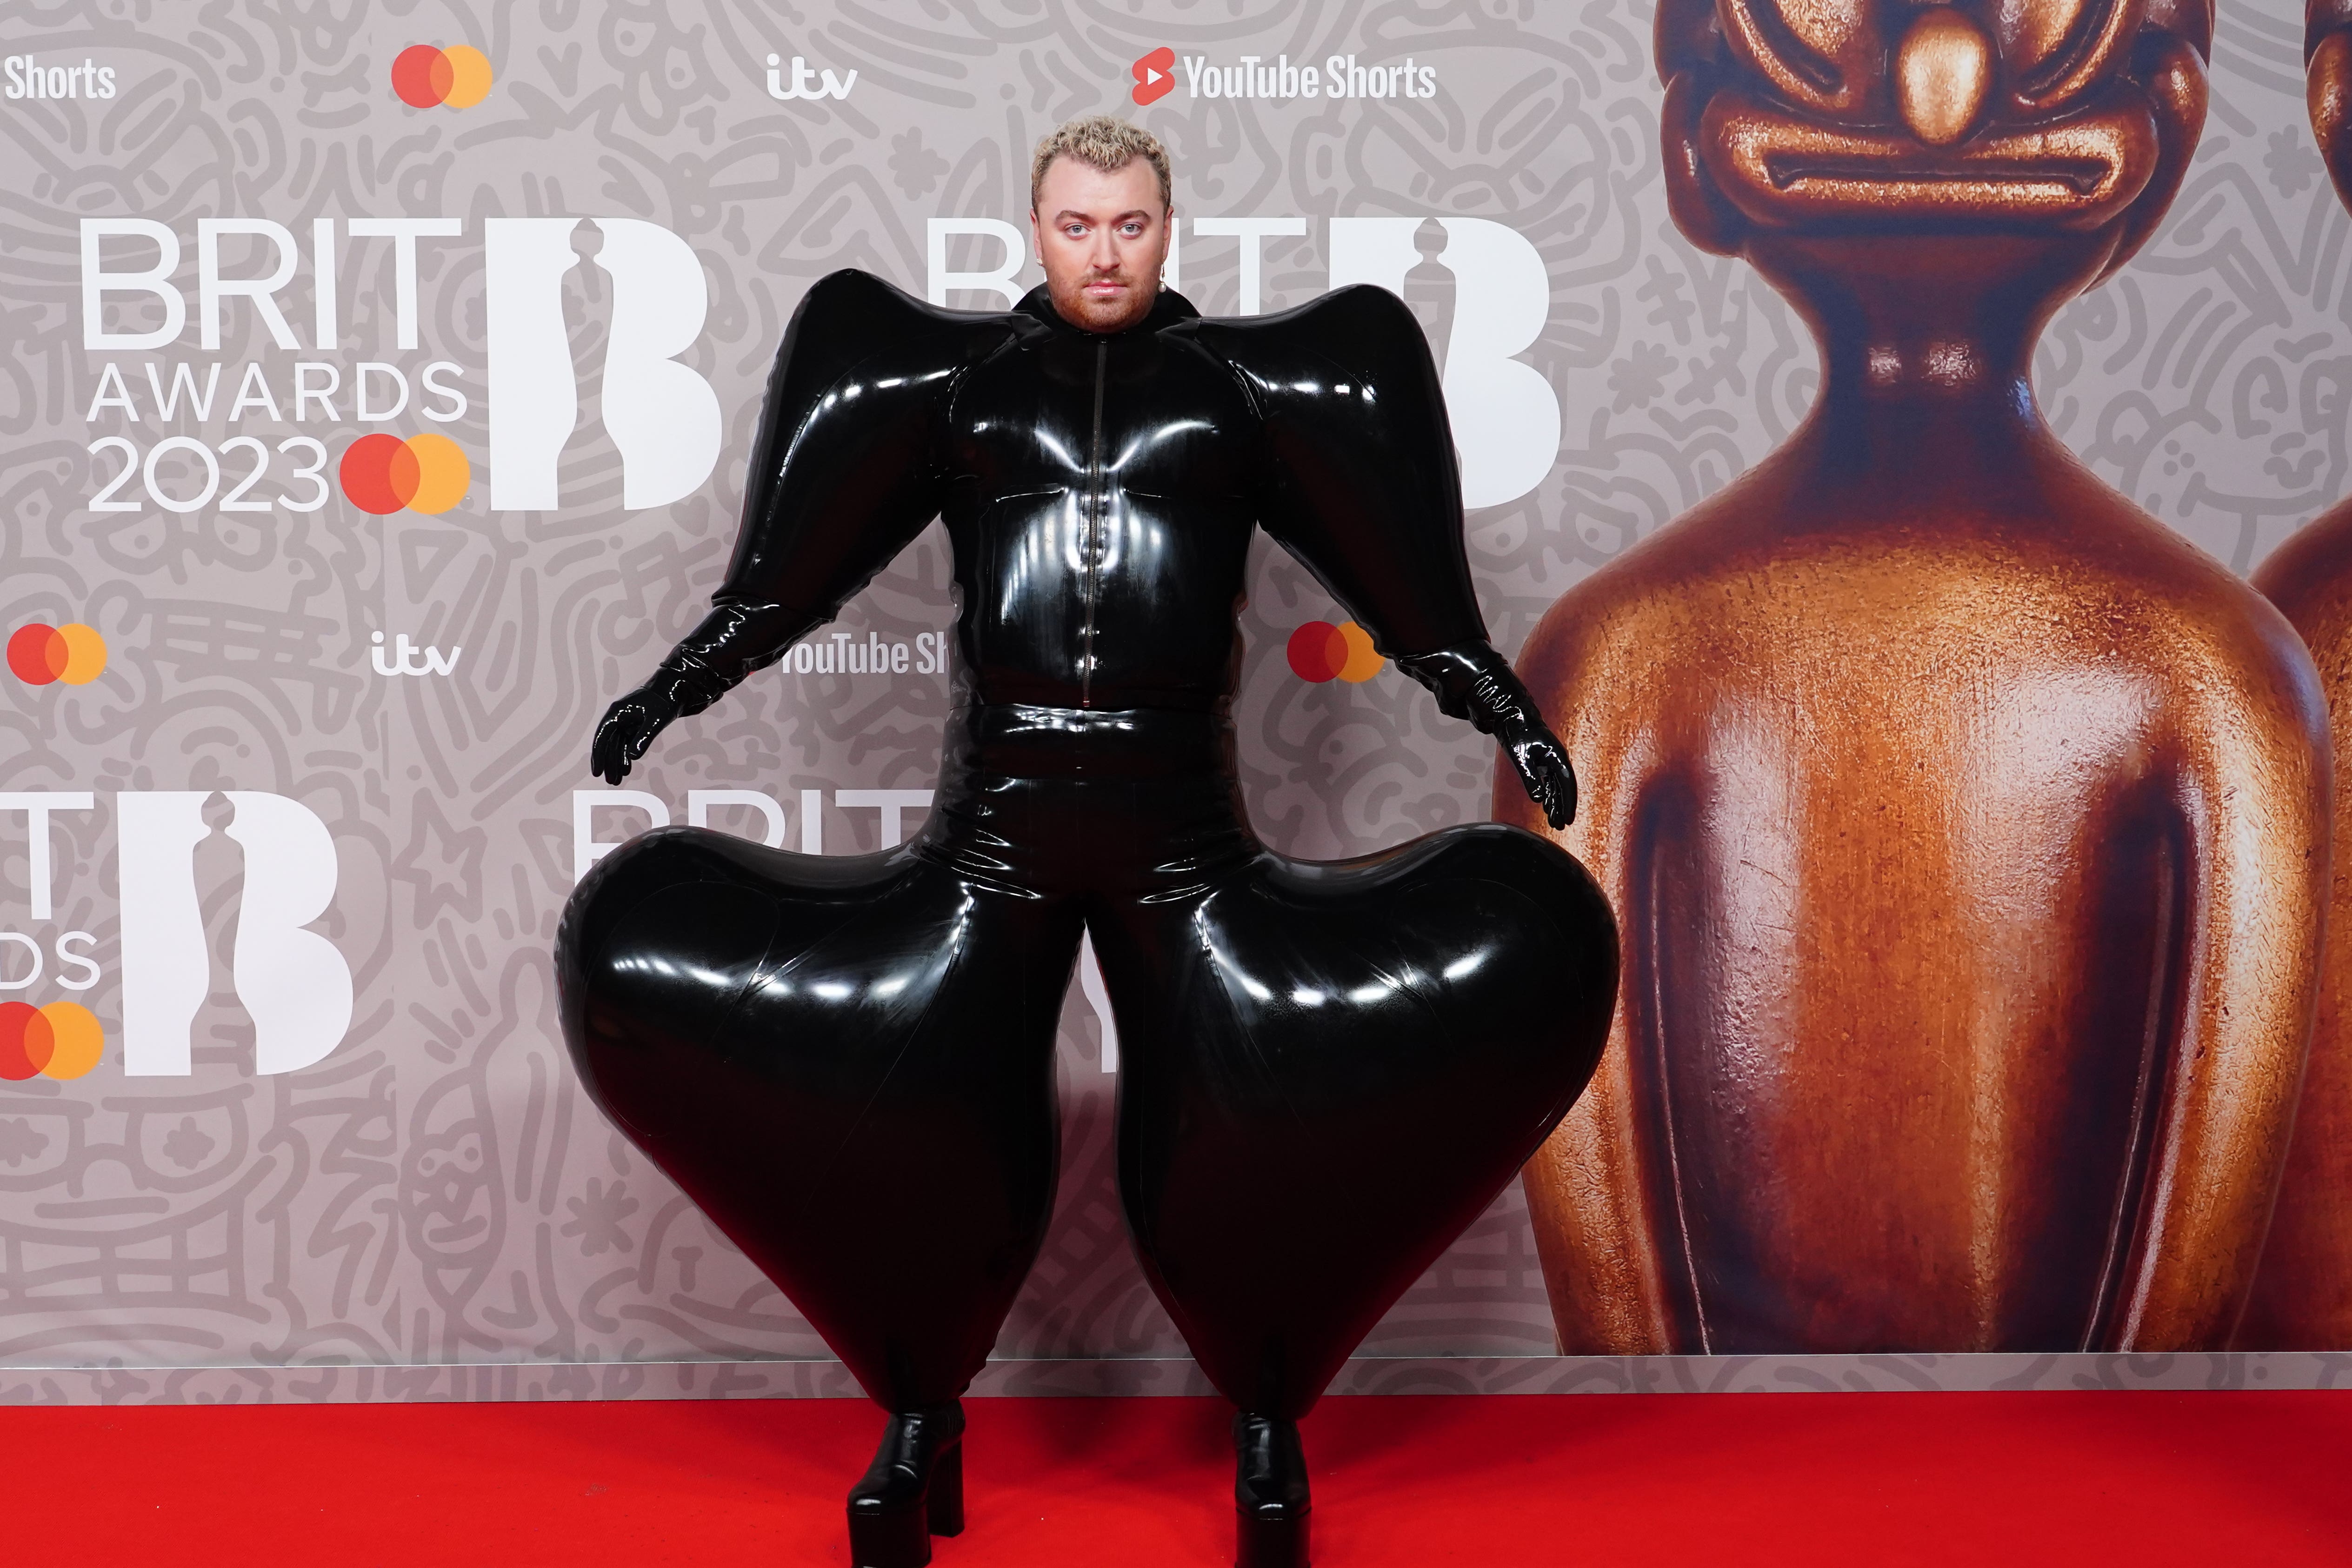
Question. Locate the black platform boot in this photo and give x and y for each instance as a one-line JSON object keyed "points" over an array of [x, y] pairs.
{"points": [[1269, 1492], [912, 1491]]}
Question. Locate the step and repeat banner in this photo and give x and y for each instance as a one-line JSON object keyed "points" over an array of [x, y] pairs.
{"points": [[379, 386]]}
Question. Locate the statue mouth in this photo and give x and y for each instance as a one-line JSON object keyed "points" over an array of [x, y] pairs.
{"points": [[2073, 175]]}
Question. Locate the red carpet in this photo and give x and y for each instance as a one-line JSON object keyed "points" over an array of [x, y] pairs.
{"points": [[1880, 1478]]}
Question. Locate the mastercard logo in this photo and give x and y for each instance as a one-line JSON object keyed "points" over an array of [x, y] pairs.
{"points": [[38, 654], [426, 473], [61, 1040], [1320, 651], [424, 76]]}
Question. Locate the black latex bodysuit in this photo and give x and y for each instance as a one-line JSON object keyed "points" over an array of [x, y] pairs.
{"points": [[1326, 1069]]}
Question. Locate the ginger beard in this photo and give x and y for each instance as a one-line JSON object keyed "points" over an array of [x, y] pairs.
{"points": [[1101, 237]]}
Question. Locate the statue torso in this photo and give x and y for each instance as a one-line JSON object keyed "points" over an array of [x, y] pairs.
{"points": [[1910, 798]]}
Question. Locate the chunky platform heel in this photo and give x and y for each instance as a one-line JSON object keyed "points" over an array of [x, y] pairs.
{"points": [[1270, 1498], [1266, 1543], [944, 1504], [912, 1491]]}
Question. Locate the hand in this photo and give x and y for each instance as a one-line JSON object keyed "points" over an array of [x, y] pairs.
{"points": [[629, 727], [1543, 768], [1471, 680]]}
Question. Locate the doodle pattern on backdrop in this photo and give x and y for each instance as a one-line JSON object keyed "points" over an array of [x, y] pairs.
{"points": [[433, 1189]]}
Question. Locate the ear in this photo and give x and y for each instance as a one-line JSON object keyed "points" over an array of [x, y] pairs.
{"points": [[1705, 219], [2172, 73], [1685, 37], [2330, 94], [2321, 17]]}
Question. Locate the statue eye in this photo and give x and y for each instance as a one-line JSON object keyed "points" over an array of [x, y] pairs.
{"points": [[1826, 54], [2056, 49]]}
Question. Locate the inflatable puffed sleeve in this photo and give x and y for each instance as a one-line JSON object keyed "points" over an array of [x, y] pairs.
{"points": [[1359, 481], [1360, 485], [843, 476]]}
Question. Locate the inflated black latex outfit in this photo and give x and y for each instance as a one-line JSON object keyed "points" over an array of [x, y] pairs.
{"points": [[1326, 1069]]}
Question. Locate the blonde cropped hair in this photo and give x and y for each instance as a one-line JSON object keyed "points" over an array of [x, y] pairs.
{"points": [[1103, 141]]}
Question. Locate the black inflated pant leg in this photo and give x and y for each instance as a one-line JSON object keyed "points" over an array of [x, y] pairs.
{"points": [[1328, 1069], [848, 1063]]}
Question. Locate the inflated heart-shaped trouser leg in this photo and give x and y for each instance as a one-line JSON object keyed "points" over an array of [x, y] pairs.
{"points": [[1328, 1070], [847, 1062]]}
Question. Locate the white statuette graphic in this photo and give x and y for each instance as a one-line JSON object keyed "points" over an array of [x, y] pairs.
{"points": [[292, 981], [1505, 415], [534, 402], [165, 971], [662, 415]]}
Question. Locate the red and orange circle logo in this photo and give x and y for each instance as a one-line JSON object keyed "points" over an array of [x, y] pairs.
{"points": [[1320, 651], [39, 654], [61, 1040], [459, 76], [426, 473]]}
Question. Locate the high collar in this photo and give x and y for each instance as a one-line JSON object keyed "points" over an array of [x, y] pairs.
{"points": [[1166, 310]]}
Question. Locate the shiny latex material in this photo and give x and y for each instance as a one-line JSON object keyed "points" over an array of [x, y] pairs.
{"points": [[1327, 1071], [2303, 1295], [1100, 489], [1968, 825]]}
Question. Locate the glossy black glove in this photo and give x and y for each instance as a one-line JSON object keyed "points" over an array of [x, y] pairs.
{"points": [[1472, 681], [732, 641]]}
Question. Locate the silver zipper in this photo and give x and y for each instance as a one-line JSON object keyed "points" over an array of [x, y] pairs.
{"points": [[1093, 541]]}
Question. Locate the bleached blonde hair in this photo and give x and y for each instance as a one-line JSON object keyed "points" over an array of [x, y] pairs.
{"points": [[1106, 142]]}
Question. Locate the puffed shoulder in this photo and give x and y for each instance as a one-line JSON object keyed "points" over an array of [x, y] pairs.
{"points": [[847, 316], [1360, 324]]}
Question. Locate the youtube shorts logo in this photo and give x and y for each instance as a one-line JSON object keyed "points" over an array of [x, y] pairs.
{"points": [[1155, 75]]}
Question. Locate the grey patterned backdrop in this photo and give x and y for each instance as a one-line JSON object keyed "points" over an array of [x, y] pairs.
{"points": [[434, 1191]]}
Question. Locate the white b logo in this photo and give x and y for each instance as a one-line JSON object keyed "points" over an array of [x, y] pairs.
{"points": [[294, 984], [662, 415], [1505, 415]]}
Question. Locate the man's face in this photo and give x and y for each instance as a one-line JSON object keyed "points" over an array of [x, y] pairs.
{"points": [[1101, 239]]}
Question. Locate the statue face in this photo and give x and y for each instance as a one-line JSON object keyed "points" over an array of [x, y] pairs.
{"points": [[2327, 60], [1101, 239], [1829, 117]]}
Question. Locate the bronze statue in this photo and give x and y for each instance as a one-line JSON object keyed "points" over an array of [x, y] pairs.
{"points": [[2303, 1295], [1966, 828]]}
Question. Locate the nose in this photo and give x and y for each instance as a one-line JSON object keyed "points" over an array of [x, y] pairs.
{"points": [[1943, 74]]}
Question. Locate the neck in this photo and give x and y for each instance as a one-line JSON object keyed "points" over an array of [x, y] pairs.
{"points": [[1927, 345]]}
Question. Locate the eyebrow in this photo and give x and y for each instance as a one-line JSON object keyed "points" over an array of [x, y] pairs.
{"points": [[1089, 217]]}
